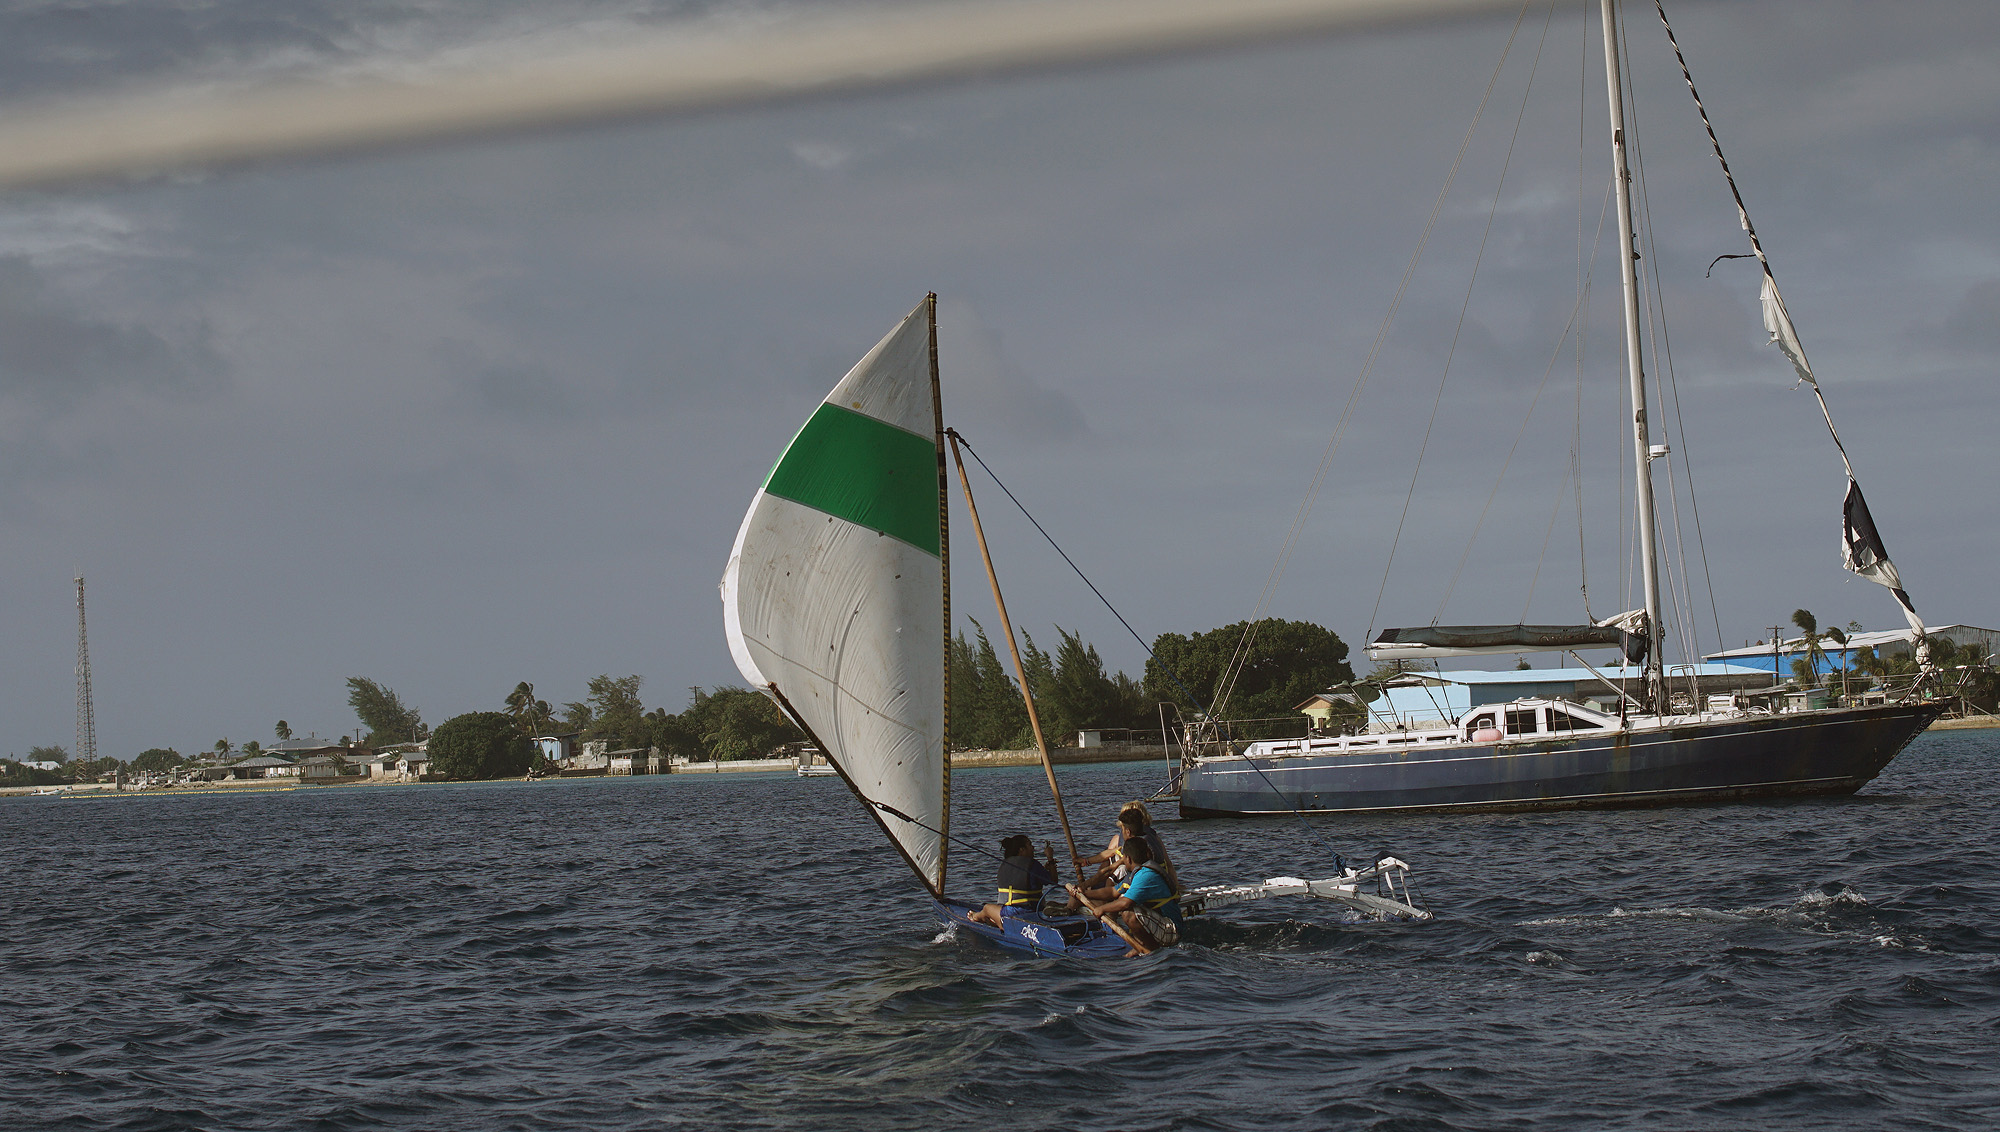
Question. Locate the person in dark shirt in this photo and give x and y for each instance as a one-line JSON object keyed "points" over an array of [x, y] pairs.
{"points": [[1145, 905], [1022, 879]]}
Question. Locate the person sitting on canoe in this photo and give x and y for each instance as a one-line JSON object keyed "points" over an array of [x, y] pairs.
{"points": [[1146, 904], [1022, 879], [1133, 822]]}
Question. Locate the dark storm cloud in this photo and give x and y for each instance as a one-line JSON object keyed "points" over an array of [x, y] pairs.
{"points": [[493, 413], [65, 47], [55, 354]]}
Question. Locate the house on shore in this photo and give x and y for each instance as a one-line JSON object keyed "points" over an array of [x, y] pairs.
{"points": [[334, 767], [596, 757], [558, 749], [245, 769]]}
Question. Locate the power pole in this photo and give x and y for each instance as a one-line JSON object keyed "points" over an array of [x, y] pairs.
{"points": [[86, 718]]}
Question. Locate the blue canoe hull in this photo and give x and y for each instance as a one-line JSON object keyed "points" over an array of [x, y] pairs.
{"points": [[1835, 751], [1049, 937]]}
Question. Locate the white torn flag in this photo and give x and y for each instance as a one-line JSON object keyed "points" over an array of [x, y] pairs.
{"points": [[1778, 321]]}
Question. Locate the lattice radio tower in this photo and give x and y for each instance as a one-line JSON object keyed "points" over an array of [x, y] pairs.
{"points": [[86, 718]]}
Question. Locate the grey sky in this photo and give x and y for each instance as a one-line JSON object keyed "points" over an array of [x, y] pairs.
{"points": [[464, 417]]}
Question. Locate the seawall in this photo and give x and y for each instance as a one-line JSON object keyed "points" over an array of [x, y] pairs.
{"points": [[1062, 756], [1108, 753]]}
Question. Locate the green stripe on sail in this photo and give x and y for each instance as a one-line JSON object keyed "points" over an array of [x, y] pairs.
{"points": [[866, 471]]}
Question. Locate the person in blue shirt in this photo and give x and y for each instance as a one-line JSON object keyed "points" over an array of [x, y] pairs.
{"points": [[1022, 879], [1133, 821], [1146, 904]]}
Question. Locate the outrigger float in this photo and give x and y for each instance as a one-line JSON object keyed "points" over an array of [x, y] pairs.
{"points": [[837, 604]]}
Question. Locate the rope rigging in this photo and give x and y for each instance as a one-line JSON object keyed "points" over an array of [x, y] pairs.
{"points": [[1750, 230], [1653, 301], [1862, 545], [1164, 667], [1403, 518], [1340, 862], [1499, 186]]}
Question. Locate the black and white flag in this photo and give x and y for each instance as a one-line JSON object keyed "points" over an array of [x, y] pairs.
{"points": [[1862, 552]]}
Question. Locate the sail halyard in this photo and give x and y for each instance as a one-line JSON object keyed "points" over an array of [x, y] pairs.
{"points": [[1635, 364], [833, 595]]}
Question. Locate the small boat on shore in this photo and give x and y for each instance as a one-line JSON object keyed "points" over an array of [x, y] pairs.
{"points": [[812, 764]]}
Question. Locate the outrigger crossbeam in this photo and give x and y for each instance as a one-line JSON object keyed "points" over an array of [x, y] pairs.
{"points": [[1391, 899]]}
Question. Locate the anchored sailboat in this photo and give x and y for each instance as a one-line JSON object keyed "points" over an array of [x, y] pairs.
{"points": [[837, 601], [1540, 753]]}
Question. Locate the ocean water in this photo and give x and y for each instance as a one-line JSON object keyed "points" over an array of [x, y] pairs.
{"points": [[742, 951]]}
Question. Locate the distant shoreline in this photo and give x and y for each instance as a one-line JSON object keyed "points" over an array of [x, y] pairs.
{"points": [[960, 760]]}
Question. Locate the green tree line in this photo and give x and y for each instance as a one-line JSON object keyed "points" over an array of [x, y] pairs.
{"points": [[1284, 663], [723, 723], [1287, 661]]}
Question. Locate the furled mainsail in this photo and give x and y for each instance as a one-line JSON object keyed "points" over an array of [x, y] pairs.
{"points": [[833, 599]]}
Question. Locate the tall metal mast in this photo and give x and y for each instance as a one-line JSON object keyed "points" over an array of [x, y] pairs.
{"points": [[1655, 697], [86, 717]]}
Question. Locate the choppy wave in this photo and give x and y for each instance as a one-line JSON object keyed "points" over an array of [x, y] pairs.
{"points": [[744, 952]]}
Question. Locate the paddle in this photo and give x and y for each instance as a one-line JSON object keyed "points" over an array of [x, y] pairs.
{"points": [[1116, 929]]}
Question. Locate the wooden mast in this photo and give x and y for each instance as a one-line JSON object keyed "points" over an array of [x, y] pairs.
{"points": [[944, 555], [1007, 629]]}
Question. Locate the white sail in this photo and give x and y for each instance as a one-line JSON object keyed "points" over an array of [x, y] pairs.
{"points": [[833, 599]]}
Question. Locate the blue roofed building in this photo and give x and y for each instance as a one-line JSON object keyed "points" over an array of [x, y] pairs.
{"points": [[1886, 643]]}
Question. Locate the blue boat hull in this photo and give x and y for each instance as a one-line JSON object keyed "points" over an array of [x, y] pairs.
{"points": [[1049, 937], [1834, 751]]}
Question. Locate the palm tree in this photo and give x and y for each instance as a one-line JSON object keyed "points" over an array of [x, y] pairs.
{"points": [[531, 716], [1808, 669], [519, 699], [284, 731]]}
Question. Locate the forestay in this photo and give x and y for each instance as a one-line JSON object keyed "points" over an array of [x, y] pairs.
{"points": [[833, 599]]}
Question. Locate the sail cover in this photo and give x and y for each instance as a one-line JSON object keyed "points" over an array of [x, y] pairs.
{"points": [[833, 599], [1486, 640]]}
